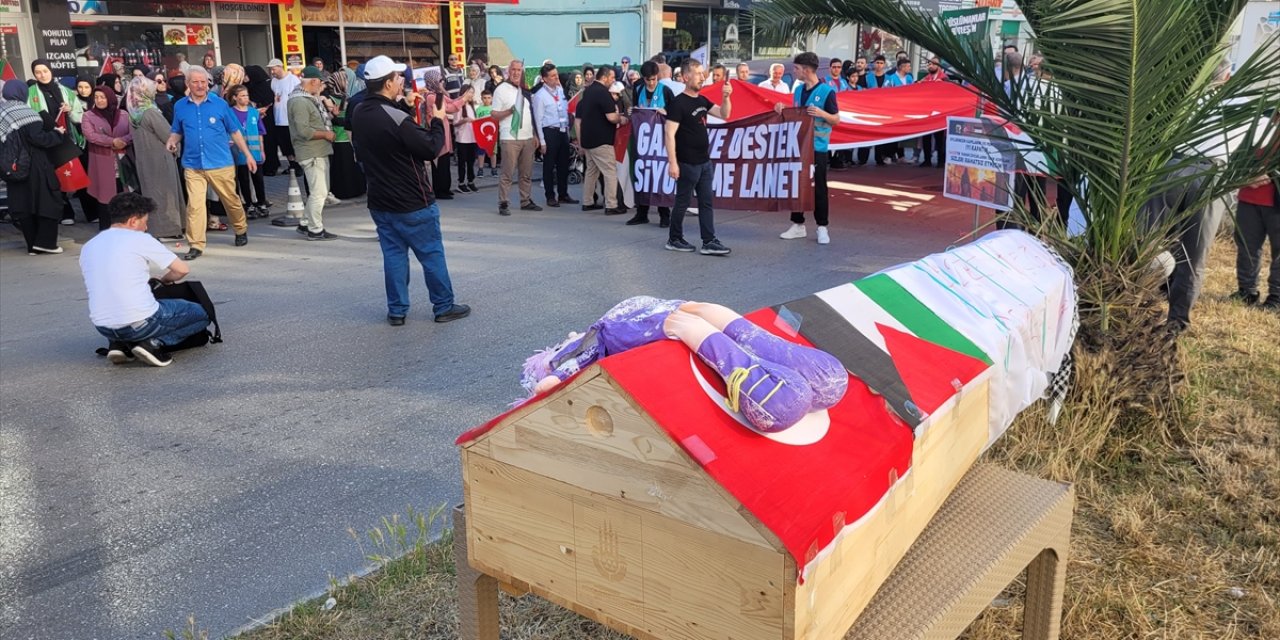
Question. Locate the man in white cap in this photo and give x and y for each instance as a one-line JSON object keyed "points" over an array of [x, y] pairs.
{"points": [[598, 118], [282, 85], [401, 201]]}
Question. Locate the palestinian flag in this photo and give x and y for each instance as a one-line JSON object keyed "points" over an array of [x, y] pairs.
{"points": [[891, 341], [7, 72]]}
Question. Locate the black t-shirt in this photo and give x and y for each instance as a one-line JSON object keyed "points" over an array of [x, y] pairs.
{"points": [[593, 109], [690, 112]]}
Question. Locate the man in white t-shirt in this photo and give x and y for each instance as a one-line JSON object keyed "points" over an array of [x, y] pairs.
{"points": [[282, 84], [775, 82], [116, 265], [517, 127]]}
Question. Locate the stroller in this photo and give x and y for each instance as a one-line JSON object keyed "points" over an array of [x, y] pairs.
{"points": [[577, 165]]}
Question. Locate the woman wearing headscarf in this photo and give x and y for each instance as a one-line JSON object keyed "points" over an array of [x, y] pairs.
{"points": [[232, 75], [157, 174], [346, 180], [177, 91], [210, 60], [215, 80], [34, 203], [441, 176], [106, 128], [162, 89], [258, 81], [113, 82], [51, 98], [84, 95]]}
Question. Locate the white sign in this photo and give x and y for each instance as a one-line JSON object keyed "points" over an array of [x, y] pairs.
{"points": [[980, 163]]}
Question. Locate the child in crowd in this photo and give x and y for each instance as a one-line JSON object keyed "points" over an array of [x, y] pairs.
{"points": [[483, 111], [255, 200]]}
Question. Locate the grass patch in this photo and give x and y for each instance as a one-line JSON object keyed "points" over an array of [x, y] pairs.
{"points": [[1177, 529]]}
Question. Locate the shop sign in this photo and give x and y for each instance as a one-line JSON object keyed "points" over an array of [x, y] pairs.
{"points": [[10, 6], [57, 43], [457, 30], [291, 36], [968, 24]]}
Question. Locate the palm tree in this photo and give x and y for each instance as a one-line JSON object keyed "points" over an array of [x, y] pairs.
{"points": [[1134, 105]]}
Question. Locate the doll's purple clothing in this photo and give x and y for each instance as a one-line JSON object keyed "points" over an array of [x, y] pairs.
{"points": [[771, 382]]}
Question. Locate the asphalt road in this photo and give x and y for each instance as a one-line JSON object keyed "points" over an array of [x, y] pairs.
{"points": [[224, 486]]}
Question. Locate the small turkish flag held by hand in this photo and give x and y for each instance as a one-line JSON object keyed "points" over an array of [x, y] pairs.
{"points": [[486, 131]]}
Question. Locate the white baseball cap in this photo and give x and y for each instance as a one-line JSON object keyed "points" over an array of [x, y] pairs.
{"points": [[275, 62], [381, 67]]}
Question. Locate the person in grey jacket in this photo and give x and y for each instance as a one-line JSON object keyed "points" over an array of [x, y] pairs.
{"points": [[311, 132]]}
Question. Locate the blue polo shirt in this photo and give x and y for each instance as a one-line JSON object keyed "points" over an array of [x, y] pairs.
{"points": [[206, 132]]}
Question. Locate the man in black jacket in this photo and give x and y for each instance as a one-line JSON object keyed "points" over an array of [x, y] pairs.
{"points": [[400, 196]]}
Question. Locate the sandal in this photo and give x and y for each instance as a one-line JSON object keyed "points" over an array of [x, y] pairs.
{"points": [[217, 225]]}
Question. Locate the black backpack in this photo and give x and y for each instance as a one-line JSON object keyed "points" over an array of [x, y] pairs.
{"points": [[15, 158], [194, 292]]}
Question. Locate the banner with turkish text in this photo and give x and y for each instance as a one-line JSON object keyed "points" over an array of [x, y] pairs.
{"points": [[762, 162]]}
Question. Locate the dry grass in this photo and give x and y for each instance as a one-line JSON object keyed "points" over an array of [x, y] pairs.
{"points": [[1177, 530]]}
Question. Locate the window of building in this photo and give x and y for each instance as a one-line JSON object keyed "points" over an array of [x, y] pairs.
{"points": [[593, 34]]}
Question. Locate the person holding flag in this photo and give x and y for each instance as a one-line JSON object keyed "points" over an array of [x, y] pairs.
{"points": [[819, 101], [517, 124]]}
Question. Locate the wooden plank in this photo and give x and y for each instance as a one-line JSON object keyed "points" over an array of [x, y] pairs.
{"points": [[592, 438], [524, 527], [838, 589], [700, 586], [680, 582]]}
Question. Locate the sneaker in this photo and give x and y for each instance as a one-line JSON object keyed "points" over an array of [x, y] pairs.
{"points": [[795, 232], [472, 186], [713, 248], [68, 222], [44, 250], [493, 173], [503, 209], [616, 211], [323, 235], [286, 221], [567, 200], [679, 245], [242, 239], [119, 353], [638, 218], [530, 206], [462, 188], [456, 312], [152, 353], [332, 199], [395, 321], [1249, 298], [192, 254], [823, 236], [302, 229], [1272, 303]]}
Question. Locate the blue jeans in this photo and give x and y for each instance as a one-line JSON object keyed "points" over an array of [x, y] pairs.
{"points": [[418, 230], [693, 177], [172, 323]]}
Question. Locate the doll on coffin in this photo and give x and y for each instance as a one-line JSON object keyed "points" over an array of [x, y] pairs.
{"points": [[771, 383]]}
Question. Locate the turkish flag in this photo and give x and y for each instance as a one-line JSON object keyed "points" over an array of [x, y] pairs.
{"points": [[486, 130]]}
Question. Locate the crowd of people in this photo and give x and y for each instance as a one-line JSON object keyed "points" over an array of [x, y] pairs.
{"points": [[197, 145]]}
